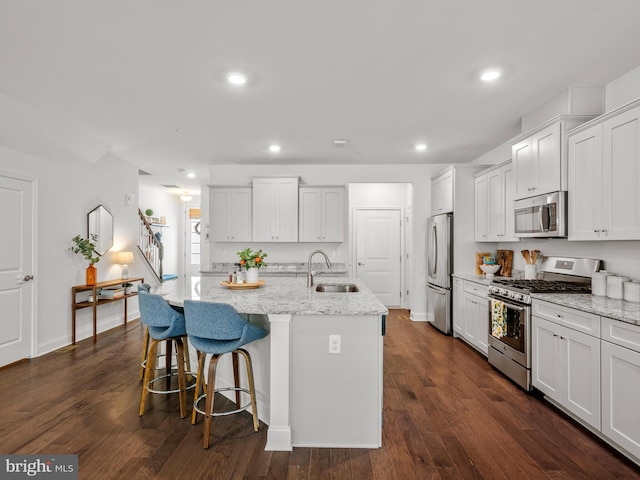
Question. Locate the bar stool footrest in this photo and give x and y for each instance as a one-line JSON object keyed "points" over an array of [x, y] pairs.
{"points": [[218, 390], [177, 390]]}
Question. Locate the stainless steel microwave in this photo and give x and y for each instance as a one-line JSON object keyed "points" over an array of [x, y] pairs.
{"points": [[541, 216]]}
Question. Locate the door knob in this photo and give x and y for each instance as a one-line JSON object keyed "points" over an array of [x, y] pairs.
{"points": [[27, 278], [360, 263]]}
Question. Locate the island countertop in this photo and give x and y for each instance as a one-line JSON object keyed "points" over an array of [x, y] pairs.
{"points": [[281, 295]]}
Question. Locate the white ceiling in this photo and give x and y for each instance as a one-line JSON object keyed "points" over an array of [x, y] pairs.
{"points": [[147, 77]]}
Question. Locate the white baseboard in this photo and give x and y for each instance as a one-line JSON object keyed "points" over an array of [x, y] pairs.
{"points": [[418, 316]]}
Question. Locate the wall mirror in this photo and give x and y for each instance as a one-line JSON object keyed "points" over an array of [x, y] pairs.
{"points": [[100, 224]]}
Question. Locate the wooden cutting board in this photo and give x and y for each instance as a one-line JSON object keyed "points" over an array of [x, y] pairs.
{"points": [[504, 258], [479, 256]]}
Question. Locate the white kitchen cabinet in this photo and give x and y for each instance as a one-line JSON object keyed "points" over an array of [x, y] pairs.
{"points": [[537, 162], [458, 307], [475, 325], [230, 214], [566, 368], [442, 193], [481, 208], [321, 214], [621, 384], [604, 178], [494, 194], [275, 209]]}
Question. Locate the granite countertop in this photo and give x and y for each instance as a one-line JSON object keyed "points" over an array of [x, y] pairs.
{"points": [[472, 277], [622, 310], [281, 295], [283, 269]]}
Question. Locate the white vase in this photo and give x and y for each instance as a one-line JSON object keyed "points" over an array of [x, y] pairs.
{"points": [[252, 275]]}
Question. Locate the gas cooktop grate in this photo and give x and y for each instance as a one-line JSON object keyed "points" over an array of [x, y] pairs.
{"points": [[543, 286]]}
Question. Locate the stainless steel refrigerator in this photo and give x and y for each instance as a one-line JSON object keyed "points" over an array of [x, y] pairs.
{"points": [[439, 266]]}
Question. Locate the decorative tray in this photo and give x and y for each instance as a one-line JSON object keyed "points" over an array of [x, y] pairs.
{"points": [[242, 286]]}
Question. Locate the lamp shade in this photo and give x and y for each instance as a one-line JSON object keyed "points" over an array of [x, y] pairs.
{"points": [[124, 258]]}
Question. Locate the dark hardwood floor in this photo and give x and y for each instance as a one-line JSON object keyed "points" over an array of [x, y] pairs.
{"points": [[447, 414]]}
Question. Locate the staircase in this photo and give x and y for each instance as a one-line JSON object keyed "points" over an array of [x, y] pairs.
{"points": [[150, 247]]}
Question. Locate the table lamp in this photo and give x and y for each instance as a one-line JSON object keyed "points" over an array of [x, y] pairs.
{"points": [[125, 259]]}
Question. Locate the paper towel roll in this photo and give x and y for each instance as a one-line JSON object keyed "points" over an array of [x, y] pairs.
{"points": [[614, 286], [632, 291], [599, 283]]}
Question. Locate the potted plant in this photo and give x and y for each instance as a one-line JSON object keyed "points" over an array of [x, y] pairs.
{"points": [[148, 212], [252, 261], [86, 247], [128, 288]]}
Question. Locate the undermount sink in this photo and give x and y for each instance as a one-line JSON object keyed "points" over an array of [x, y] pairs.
{"points": [[337, 287]]}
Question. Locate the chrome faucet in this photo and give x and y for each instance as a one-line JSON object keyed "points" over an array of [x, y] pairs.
{"points": [[309, 274]]}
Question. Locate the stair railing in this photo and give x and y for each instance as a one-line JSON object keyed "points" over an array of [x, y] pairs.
{"points": [[150, 246]]}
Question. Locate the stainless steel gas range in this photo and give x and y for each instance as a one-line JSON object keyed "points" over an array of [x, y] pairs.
{"points": [[510, 311]]}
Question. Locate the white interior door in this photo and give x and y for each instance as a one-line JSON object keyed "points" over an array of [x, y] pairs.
{"points": [[379, 253], [16, 269]]}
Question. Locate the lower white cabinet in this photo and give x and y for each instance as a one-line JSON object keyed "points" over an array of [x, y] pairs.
{"points": [[475, 322], [621, 384], [566, 368]]}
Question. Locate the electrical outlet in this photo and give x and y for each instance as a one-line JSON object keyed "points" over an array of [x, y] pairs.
{"points": [[334, 343]]}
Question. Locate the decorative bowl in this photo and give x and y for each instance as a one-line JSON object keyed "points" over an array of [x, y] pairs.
{"points": [[490, 270]]}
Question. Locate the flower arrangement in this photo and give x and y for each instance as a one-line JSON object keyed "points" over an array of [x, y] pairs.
{"points": [[251, 259], [85, 247]]}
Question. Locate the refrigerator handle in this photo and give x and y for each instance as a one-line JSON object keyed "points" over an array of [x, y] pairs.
{"points": [[434, 239]]}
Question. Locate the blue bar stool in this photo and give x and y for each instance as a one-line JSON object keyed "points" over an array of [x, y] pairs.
{"points": [[215, 329], [164, 324]]}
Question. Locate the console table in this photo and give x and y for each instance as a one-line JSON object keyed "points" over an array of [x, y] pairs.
{"points": [[95, 290]]}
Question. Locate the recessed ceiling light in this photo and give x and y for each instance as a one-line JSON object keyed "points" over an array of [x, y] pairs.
{"points": [[191, 175], [421, 147], [274, 148], [490, 75], [236, 78]]}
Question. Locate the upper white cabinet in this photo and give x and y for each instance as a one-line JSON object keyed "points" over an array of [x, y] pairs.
{"points": [[321, 214], [442, 193], [604, 178], [536, 160], [481, 208], [231, 214], [494, 195], [275, 209], [539, 159]]}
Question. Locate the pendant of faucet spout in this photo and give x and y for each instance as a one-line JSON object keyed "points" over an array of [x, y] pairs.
{"points": [[309, 274]]}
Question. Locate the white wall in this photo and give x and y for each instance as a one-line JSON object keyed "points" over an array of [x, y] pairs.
{"points": [[623, 89], [65, 194]]}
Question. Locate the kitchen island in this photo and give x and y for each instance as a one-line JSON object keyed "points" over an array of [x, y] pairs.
{"points": [[308, 396]]}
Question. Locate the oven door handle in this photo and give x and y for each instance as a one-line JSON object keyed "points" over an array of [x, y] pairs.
{"points": [[511, 306]]}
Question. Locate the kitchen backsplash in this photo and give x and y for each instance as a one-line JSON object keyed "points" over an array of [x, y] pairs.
{"points": [[621, 257]]}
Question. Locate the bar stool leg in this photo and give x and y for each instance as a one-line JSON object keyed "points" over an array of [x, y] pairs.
{"points": [[181, 380], [236, 376], [252, 389], [145, 353], [149, 373], [199, 378], [211, 388]]}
